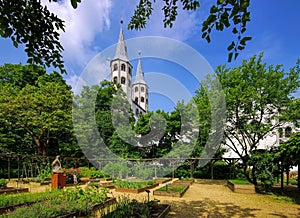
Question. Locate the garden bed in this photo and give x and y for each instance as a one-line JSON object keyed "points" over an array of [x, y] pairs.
{"points": [[173, 190], [13, 190], [163, 180], [241, 186], [184, 181], [136, 190]]}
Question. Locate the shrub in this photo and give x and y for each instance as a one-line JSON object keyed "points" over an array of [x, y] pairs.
{"points": [[3, 183]]}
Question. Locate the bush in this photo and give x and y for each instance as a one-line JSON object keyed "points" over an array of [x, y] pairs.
{"points": [[3, 183]]}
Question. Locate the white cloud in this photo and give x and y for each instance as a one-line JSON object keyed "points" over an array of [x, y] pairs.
{"points": [[81, 26]]}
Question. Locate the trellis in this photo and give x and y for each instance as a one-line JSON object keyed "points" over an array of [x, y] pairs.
{"points": [[30, 163]]}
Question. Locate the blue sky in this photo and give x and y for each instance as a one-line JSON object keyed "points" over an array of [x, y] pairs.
{"points": [[95, 25]]}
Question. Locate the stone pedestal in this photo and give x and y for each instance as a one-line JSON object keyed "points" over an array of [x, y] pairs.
{"points": [[58, 180]]}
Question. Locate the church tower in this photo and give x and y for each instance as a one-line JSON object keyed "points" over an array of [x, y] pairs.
{"points": [[120, 67], [140, 88]]}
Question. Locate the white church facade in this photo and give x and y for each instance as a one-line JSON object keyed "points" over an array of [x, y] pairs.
{"points": [[121, 73]]}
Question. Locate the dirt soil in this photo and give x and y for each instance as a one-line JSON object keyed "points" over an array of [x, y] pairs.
{"points": [[207, 198]]}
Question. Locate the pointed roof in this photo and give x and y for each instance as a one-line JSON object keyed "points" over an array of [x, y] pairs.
{"points": [[139, 78], [121, 51]]}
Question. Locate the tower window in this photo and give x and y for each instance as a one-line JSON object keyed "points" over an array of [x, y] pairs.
{"points": [[123, 68], [123, 80], [136, 89], [288, 132], [115, 79], [129, 70], [142, 89], [142, 99], [115, 67], [146, 100], [136, 99]]}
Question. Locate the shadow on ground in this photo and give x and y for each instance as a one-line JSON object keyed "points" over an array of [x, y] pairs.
{"points": [[207, 208]]}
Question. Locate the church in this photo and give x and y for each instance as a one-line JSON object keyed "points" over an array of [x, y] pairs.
{"points": [[121, 73]]}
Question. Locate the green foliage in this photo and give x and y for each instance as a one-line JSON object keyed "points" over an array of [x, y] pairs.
{"points": [[133, 184], [172, 188], [223, 14], [32, 24], [116, 170], [45, 173], [255, 93], [91, 172], [131, 208], [63, 203], [263, 169], [3, 183], [22, 198], [38, 108]]}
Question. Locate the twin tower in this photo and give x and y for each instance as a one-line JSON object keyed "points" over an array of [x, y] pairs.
{"points": [[121, 73]]}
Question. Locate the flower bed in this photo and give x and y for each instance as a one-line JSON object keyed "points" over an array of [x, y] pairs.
{"points": [[241, 186], [172, 190], [69, 202], [135, 186], [132, 208], [9, 203]]}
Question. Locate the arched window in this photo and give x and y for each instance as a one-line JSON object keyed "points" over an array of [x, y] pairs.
{"points": [[142, 89], [142, 99], [115, 67], [288, 132], [123, 68], [136, 99], [115, 79], [129, 70], [123, 80], [136, 112], [136, 89]]}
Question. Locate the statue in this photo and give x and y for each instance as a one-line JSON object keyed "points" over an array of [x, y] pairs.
{"points": [[56, 165]]}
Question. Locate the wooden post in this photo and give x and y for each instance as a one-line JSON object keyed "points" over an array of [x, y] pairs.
{"points": [[8, 169], [212, 169]]}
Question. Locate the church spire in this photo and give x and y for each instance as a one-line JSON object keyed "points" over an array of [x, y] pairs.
{"points": [[139, 78], [121, 51]]}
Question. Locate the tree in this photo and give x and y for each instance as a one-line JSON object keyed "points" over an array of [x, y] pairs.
{"points": [[32, 24], [289, 153], [258, 97], [223, 14], [42, 111]]}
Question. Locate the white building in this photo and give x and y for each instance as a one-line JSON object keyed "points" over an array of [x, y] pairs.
{"points": [[121, 73]]}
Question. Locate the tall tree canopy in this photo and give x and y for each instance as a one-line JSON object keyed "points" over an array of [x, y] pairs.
{"points": [[258, 99], [41, 109]]}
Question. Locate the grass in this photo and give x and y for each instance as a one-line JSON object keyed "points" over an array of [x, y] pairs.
{"points": [[174, 188]]}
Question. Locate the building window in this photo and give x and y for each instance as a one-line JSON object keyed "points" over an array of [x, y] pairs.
{"points": [[288, 132], [136, 89], [115, 79], [146, 100], [142, 99], [136, 99], [136, 112], [142, 89], [129, 70], [123, 68], [123, 80], [115, 67]]}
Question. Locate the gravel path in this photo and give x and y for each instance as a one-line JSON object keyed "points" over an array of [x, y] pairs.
{"points": [[212, 199]]}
